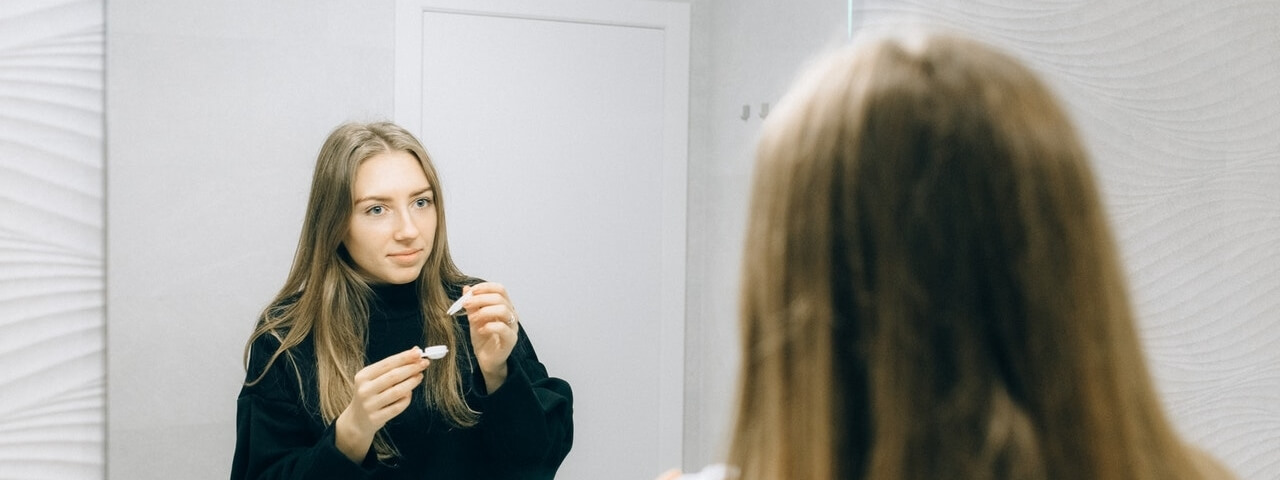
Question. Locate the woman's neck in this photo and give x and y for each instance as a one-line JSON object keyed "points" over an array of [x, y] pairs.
{"points": [[393, 299]]}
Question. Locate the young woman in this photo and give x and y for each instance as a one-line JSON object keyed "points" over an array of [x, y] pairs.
{"points": [[930, 287], [336, 384]]}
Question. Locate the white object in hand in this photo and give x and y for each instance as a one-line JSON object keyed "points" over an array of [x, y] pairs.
{"points": [[435, 352], [457, 305]]}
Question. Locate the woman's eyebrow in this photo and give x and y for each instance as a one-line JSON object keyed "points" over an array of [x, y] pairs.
{"points": [[386, 199]]}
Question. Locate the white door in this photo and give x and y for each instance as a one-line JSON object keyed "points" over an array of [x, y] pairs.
{"points": [[559, 129]]}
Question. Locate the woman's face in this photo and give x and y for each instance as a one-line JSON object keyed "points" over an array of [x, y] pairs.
{"points": [[393, 221]]}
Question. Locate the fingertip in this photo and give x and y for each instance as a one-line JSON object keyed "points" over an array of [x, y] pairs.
{"points": [[487, 287]]}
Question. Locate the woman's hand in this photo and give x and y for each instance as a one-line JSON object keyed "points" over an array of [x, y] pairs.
{"points": [[493, 330], [382, 391]]}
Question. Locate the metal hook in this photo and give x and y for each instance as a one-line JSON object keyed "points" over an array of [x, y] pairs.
{"points": [[764, 110], [746, 112]]}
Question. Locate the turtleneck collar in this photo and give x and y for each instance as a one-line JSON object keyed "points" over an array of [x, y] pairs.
{"points": [[392, 299]]}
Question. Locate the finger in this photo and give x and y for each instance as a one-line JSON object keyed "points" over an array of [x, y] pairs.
{"points": [[375, 386], [381, 367], [489, 293], [481, 300], [489, 287], [395, 393], [393, 409], [492, 313]]}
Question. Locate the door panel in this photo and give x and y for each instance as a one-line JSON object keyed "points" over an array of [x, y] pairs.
{"points": [[553, 134]]}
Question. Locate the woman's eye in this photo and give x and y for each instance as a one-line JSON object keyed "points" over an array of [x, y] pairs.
{"points": [[376, 210], [423, 202]]}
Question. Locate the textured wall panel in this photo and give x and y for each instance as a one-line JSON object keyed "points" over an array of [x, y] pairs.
{"points": [[1178, 102], [51, 239]]}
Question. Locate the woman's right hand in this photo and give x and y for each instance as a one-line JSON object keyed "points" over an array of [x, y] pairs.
{"points": [[382, 391]]}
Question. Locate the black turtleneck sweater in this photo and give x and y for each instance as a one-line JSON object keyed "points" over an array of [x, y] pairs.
{"points": [[525, 428]]}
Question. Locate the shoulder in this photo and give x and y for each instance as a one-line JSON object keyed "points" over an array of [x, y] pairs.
{"points": [[265, 346], [273, 329], [275, 326], [1208, 467], [269, 369], [281, 305], [272, 374]]}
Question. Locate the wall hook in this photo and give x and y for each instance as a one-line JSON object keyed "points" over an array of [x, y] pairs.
{"points": [[764, 110], [746, 112]]}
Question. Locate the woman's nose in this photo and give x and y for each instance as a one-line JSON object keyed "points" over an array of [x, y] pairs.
{"points": [[406, 229]]}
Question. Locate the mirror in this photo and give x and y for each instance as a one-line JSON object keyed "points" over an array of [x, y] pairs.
{"points": [[214, 112], [249, 98]]}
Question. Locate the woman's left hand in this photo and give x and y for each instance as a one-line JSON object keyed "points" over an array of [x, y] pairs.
{"points": [[493, 330]]}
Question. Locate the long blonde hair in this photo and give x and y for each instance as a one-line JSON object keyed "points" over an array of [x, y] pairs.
{"points": [[324, 297], [930, 286]]}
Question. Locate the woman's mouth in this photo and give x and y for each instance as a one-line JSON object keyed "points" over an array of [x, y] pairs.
{"points": [[405, 257]]}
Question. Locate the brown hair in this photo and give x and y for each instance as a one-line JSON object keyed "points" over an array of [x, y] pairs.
{"points": [[326, 298], [930, 287]]}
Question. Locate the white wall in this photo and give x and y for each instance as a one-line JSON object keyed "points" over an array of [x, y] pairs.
{"points": [[747, 52], [51, 248], [215, 112]]}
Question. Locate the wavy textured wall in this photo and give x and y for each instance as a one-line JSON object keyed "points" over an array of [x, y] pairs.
{"points": [[1178, 102], [51, 239]]}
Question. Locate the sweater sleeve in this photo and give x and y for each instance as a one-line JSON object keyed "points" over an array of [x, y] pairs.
{"points": [[276, 437], [527, 423]]}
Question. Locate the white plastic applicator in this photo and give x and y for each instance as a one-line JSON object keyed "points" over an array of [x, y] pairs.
{"points": [[457, 305], [435, 352]]}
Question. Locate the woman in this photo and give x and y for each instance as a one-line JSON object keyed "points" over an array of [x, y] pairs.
{"points": [[930, 286], [336, 384]]}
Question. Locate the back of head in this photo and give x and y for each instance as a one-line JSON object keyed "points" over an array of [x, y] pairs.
{"points": [[930, 287]]}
